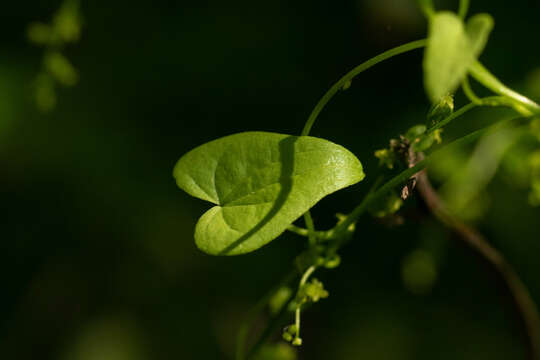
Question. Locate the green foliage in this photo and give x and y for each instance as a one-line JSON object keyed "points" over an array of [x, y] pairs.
{"points": [[451, 49], [261, 183], [65, 28], [59, 67]]}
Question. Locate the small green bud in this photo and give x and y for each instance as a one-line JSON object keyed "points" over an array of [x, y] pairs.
{"points": [[346, 85], [332, 262], [441, 110], [314, 290], [297, 341], [425, 142], [437, 135], [291, 329], [287, 337], [415, 132], [386, 157]]}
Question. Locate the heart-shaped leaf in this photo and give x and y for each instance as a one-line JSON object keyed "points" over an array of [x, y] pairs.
{"points": [[260, 182], [451, 49]]}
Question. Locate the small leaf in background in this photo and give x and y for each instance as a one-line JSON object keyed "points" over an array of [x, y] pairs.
{"points": [[39, 33], [451, 49], [260, 182], [67, 21], [61, 69], [45, 93]]}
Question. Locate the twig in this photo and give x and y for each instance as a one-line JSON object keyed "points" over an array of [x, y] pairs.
{"points": [[524, 304]]}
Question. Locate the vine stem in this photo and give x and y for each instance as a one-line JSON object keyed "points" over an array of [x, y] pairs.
{"points": [[354, 72], [524, 304], [486, 78], [301, 284], [402, 177], [463, 8]]}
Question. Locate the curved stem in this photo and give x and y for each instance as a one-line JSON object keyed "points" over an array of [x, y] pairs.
{"points": [[311, 228], [303, 281], [427, 7], [524, 304], [485, 101], [463, 8], [466, 86], [354, 72], [526, 106], [454, 115]]}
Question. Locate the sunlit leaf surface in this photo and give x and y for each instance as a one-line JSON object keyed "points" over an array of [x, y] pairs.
{"points": [[260, 183]]}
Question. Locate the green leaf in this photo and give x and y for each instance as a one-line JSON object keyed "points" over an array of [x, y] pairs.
{"points": [[478, 29], [447, 56], [451, 49], [260, 182]]}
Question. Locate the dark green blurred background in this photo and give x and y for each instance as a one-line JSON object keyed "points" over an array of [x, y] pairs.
{"points": [[97, 258]]}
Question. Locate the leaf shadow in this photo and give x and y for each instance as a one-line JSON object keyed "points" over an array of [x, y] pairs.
{"points": [[286, 157]]}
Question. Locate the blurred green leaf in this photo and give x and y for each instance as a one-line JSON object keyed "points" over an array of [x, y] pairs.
{"points": [[451, 49], [447, 55], [45, 94], [61, 69], [67, 21], [261, 182], [478, 29], [39, 33]]}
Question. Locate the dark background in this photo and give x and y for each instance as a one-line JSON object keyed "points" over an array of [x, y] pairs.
{"points": [[97, 258]]}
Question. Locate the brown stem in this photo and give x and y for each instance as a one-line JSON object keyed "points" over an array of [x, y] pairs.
{"points": [[522, 299]]}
